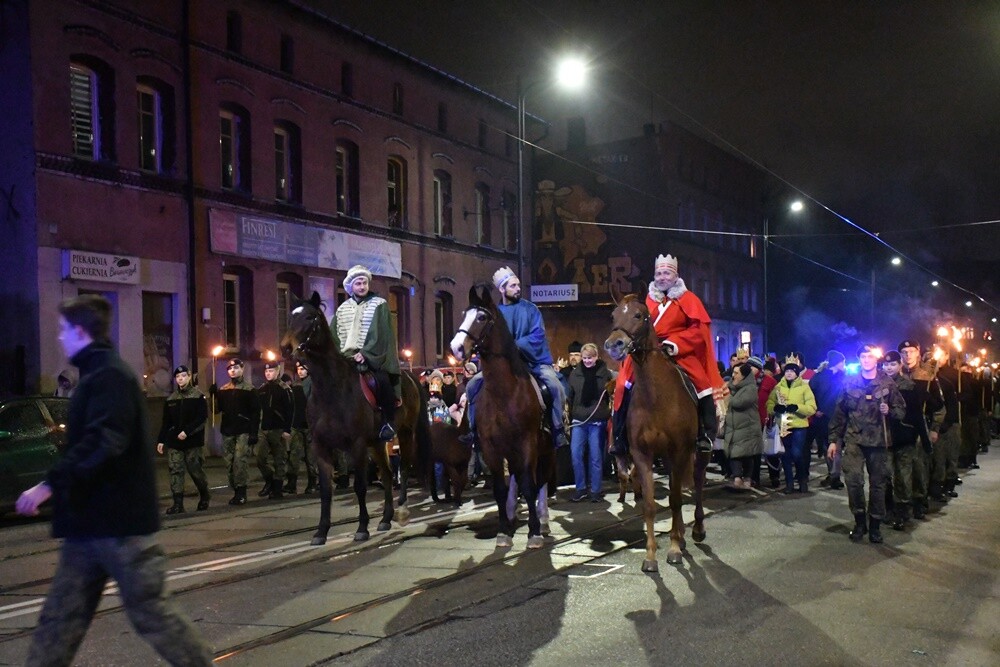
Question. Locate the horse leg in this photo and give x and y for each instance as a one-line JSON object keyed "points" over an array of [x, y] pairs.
{"points": [[325, 498], [700, 464], [530, 490], [621, 472], [512, 491], [361, 493], [644, 471], [459, 477], [505, 534], [543, 510], [677, 544], [385, 472]]}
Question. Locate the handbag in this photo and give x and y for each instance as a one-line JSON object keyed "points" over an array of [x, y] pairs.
{"points": [[772, 440]]}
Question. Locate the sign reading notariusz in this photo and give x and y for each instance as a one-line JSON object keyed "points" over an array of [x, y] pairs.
{"points": [[293, 243], [82, 265], [543, 293]]}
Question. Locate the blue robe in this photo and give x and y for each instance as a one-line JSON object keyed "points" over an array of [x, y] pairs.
{"points": [[525, 323]]}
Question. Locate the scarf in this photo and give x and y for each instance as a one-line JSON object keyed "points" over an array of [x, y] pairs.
{"points": [[591, 392]]}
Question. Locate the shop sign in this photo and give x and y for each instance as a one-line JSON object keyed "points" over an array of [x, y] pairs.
{"points": [[543, 293], [83, 265]]}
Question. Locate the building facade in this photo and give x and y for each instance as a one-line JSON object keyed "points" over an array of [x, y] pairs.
{"points": [[203, 164], [604, 212]]}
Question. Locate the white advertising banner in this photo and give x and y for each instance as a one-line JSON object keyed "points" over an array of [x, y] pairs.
{"points": [[543, 293], [83, 265]]}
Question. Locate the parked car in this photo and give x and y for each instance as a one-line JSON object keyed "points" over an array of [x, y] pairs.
{"points": [[32, 430]]}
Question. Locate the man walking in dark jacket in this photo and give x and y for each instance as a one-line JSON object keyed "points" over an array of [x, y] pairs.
{"points": [[826, 387], [104, 491], [240, 408], [275, 431], [183, 434]]}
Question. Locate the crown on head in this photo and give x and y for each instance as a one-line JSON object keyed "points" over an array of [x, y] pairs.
{"points": [[666, 260], [792, 358]]}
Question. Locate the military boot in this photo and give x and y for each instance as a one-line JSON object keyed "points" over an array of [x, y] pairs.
{"points": [[310, 484], [266, 491], [178, 506], [239, 496], [874, 532], [860, 527], [203, 497], [276, 493], [291, 484], [619, 434]]}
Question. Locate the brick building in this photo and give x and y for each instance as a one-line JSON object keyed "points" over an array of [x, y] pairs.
{"points": [[604, 212], [201, 163]]}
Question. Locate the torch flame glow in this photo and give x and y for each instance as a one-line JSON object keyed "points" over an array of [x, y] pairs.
{"points": [[877, 351], [942, 332], [938, 353], [956, 338], [270, 356], [217, 350]]}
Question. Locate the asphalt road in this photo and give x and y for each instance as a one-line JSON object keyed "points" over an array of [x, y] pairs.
{"points": [[776, 583]]}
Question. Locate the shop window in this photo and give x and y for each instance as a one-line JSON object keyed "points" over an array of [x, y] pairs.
{"points": [[157, 343]]}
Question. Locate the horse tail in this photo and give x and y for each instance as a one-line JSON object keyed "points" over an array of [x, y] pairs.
{"points": [[423, 434]]}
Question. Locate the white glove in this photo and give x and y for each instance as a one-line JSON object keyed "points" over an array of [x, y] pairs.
{"points": [[670, 347]]}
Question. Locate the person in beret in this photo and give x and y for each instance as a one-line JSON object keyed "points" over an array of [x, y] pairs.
{"points": [[182, 433], [239, 404]]}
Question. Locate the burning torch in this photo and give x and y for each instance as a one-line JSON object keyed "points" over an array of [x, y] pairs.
{"points": [[216, 351]]}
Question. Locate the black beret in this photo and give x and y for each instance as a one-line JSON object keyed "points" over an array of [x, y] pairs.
{"points": [[235, 362], [271, 364], [908, 343], [892, 355], [181, 369], [575, 346]]}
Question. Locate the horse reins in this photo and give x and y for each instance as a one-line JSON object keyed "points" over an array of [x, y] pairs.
{"points": [[485, 332]]}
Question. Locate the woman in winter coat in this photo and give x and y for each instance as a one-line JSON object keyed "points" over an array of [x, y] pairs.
{"points": [[589, 412], [793, 400], [742, 440]]}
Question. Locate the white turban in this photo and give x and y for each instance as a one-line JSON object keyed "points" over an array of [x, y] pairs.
{"points": [[666, 261], [355, 271], [501, 276]]}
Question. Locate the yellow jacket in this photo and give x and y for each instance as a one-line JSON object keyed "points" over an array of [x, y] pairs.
{"points": [[799, 395]]}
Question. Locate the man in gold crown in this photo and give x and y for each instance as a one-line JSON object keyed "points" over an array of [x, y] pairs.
{"points": [[684, 329]]}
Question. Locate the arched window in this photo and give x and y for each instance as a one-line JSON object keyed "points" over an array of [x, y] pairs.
{"points": [[442, 203], [482, 210], [346, 178], [92, 108], [234, 147], [443, 327], [287, 162], [396, 192], [156, 125]]}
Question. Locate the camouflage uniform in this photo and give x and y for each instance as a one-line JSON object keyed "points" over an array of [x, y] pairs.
{"points": [[932, 399], [275, 422], [862, 433], [944, 468], [240, 408], [908, 435], [185, 411], [300, 446]]}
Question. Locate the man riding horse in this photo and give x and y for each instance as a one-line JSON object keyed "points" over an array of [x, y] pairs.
{"points": [[682, 326], [525, 322], [364, 330]]}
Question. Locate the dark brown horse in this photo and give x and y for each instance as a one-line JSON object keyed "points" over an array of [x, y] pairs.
{"points": [[340, 417], [454, 455], [508, 413], [662, 421]]}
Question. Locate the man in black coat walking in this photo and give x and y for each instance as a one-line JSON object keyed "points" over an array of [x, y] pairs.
{"points": [[104, 491]]}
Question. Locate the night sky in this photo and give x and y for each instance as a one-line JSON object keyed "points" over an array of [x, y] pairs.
{"points": [[885, 112]]}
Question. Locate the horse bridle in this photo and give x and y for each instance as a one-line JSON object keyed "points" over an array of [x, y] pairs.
{"points": [[633, 338], [313, 328], [483, 334]]}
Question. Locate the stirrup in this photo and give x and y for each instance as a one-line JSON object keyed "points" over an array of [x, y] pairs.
{"points": [[387, 432]]}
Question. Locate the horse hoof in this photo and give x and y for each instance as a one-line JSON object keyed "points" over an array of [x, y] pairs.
{"points": [[402, 516], [650, 566], [621, 499], [674, 558], [699, 535], [318, 540], [504, 541], [384, 526], [361, 537], [536, 542]]}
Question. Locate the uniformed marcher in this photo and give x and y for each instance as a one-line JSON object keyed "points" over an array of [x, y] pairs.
{"points": [[240, 407], [299, 448], [908, 434], [183, 434], [944, 466], [923, 372], [275, 430], [860, 428]]}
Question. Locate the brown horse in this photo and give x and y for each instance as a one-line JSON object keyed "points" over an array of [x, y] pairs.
{"points": [[454, 455], [340, 417], [508, 413], [662, 421]]}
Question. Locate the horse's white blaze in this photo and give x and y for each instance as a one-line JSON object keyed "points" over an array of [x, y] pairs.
{"points": [[297, 310], [458, 342]]}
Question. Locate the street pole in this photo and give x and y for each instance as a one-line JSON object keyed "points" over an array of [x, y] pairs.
{"points": [[871, 308], [520, 178], [766, 321]]}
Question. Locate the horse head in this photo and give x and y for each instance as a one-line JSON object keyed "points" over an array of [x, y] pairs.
{"points": [[630, 325], [477, 323], [307, 328]]}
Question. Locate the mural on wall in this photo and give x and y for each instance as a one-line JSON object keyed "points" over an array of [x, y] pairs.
{"points": [[569, 248]]}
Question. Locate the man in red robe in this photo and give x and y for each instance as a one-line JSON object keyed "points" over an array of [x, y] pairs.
{"points": [[684, 329]]}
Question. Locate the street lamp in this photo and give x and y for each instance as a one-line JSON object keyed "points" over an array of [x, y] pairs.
{"points": [[408, 355], [795, 207], [570, 74]]}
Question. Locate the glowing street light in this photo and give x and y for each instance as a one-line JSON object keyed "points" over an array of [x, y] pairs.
{"points": [[968, 304], [896, 261], [571, 73], [408, 355], [934, 283], [796, 206]]}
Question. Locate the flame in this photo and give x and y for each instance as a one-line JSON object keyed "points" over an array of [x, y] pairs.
{"points": [[270, 356], [975, 362], [938, 354], [956, 338], [877, 351], [217, 350], [942, 332]]}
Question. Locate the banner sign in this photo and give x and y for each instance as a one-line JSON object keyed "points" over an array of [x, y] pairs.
{"points": [[82, 265], [293, 243], [543, 293]]}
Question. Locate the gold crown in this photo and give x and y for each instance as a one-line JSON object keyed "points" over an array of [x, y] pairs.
{"points": [[792, 358]]}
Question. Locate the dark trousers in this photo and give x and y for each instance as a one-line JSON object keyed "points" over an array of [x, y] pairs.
{"points": [[137, 564], [796, 457], [385, 395], [874, 460], [903, 462]]}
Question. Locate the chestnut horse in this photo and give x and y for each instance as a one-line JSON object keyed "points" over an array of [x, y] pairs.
{"points": [[340, 417], [662, 421], [508, 413]]}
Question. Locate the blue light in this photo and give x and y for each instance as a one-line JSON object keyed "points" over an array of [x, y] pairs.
{"points": [[852, 369]]}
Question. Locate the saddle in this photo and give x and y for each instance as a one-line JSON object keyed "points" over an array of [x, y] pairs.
{"points": [[545, 401], [368, 387]]}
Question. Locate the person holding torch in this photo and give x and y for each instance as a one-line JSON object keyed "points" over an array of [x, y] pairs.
{"points": [[859, 431]]}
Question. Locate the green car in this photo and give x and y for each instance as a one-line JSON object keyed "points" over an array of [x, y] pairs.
{"points": [[31, 431]]}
